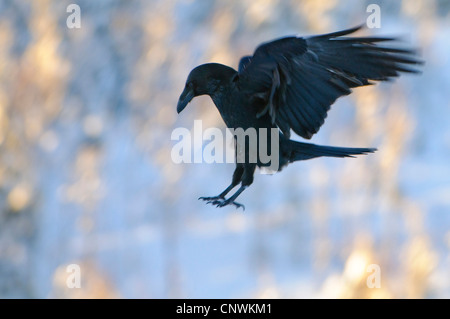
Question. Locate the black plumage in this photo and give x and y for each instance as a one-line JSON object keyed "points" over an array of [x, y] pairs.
{"points": [[290, 84]]}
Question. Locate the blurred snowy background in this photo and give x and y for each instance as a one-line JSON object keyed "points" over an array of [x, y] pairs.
{"points": [[86, 176]]}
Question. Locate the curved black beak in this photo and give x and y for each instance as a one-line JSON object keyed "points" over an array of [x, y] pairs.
{"points": [[185, 98]]}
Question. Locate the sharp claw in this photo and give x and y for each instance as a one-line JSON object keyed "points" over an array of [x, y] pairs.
{"points": [[221, 202], [238, 205]]}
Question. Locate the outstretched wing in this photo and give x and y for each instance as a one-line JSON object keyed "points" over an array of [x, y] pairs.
{"points": [[298, 79]]}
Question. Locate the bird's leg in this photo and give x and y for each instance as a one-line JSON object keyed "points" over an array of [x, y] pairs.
{"points": [[237, 176], [247, 180], [220, 196]]}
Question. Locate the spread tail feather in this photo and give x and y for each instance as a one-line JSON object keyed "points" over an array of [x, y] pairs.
{"points": [[304, 151]]}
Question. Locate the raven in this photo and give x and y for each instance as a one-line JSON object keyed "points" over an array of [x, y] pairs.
{"points": [[290, 84]]}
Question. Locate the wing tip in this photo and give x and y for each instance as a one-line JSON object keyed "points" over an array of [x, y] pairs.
{"points": [[339, 33]]}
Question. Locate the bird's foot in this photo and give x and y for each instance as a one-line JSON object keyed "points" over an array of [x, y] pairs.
{"points": [[224, 202], [211, 199]]}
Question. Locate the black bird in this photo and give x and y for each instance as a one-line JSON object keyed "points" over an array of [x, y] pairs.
{"points": [[290, 84]]}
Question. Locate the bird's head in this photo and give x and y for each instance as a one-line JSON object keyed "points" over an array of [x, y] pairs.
{"points": [[204, 79]]}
